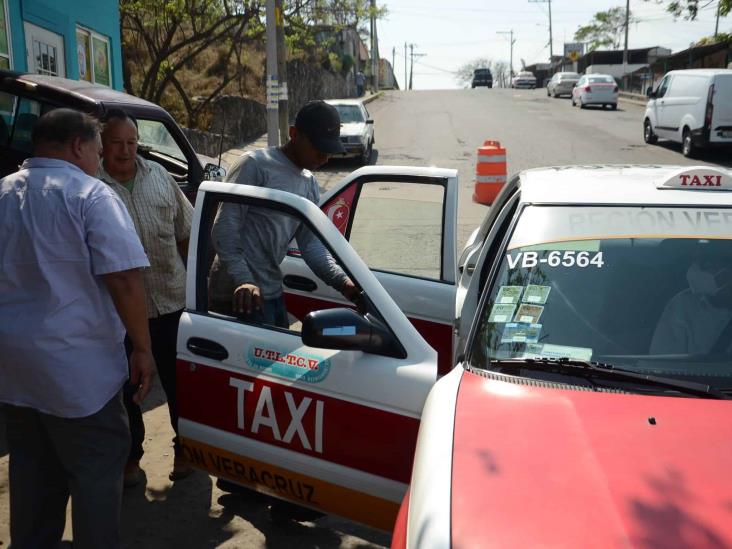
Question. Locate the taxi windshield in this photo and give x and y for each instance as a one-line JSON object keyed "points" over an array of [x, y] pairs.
{"points": [[644, 289]]}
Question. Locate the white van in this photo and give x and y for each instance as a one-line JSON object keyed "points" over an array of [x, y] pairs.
{"points": [[692, 107]]}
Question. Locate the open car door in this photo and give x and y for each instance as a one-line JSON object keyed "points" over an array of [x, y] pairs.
{"points": [[402, 221], [294, 414]]}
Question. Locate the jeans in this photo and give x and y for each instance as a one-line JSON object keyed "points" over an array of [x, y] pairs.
{"points": [[52, 458], [164, 339]]}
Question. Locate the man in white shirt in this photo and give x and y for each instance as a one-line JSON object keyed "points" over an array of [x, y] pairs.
{"points": [[70, 286]]}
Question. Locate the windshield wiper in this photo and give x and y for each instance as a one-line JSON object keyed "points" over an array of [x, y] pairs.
{"points": [[585, 367]]}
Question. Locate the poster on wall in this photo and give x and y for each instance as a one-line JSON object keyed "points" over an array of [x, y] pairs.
{"points": [[101, 61], [83, 55]]}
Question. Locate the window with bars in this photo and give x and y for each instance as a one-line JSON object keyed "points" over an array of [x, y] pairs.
{"points": [[46, 57]]}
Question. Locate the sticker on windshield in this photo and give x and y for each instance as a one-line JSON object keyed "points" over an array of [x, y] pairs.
{"points": [[520, 332], [509, 294], [548, 350], [307, 367], [501, 312], [537, 294], [529, 313]]}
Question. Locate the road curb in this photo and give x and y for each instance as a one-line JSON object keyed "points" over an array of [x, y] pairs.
{"points": [[373, 97], [633, 101]]}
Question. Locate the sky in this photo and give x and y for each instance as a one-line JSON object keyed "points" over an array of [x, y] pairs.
{"points": [[451, 33]]}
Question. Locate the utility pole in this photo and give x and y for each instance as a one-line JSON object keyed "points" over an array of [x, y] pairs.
{"points": [[374, 49], [282, 104], [510, 33], [405, 66], [716, 26], [412, 55], [625, 50], [411, 64], [272, 80], [551, 44]]}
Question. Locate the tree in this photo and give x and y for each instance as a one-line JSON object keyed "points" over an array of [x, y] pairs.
{"points": [[307, 19], [689, 9], [719, 37], [605, 30], [464, 75], [164, 38]]}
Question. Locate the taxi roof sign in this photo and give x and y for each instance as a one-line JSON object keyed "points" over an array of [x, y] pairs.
{"points": [[698, 178]]}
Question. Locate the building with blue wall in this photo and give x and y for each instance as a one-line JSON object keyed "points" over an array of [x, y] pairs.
{"points": [[77, 39]]}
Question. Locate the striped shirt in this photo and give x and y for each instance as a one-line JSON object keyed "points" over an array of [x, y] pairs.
{"points": [[162, 217]]}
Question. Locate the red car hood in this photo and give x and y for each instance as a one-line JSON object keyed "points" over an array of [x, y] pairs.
{"points": [[549, 467]]}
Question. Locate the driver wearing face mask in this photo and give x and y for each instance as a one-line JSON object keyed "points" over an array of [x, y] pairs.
{"points": [[696, 318]]}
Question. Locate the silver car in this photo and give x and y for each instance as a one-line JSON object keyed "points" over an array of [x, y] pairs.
{"points": [[357, 129], [596, 89], [562, 83]]}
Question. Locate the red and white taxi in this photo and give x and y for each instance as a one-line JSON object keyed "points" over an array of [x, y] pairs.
{"points": [[326, 416], [589, 405], [592, 350]]}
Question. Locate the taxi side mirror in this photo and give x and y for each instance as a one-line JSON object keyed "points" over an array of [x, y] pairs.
{"points": [[346, 330], [650, 93]]}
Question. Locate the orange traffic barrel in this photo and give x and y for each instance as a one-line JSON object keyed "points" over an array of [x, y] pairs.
{"points": [[490, 172]]}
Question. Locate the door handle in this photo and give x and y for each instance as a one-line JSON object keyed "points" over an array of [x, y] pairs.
{"points": [[207, 348], [299, 283]]}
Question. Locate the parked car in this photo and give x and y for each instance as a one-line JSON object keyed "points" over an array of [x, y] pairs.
{"points": [[692, 107], [596, 89], [25, 97], [524, 79], [482, 77], [357, 129], [562, 83]]}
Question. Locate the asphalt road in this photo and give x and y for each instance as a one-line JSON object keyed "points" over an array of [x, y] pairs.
{"points": [[434, 128]]}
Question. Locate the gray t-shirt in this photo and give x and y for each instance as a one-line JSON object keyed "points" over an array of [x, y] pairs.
{"points": [[251, 242]]}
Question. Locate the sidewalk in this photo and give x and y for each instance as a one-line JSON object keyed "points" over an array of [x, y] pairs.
{"points": [[230, 156]]}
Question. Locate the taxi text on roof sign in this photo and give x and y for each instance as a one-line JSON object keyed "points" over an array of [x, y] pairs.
{"points": [[701, 178]]}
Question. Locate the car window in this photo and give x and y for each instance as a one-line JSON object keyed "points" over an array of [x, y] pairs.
{"points": [[27, 113], [154, 135], [581, 81], [397, 227], [216, 286], [642, 288], [601, 79], [7, 115], [663, 86], [350, 114]]}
